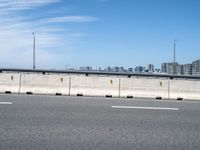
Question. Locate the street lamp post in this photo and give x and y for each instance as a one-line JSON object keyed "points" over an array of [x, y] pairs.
{"points": [[33, 50], [174, 58], [174, 64]]}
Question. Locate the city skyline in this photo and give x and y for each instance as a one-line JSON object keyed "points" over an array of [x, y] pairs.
{"points": [[98, 32], [171, 68]]}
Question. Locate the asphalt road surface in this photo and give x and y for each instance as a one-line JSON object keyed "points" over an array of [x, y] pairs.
{"points": [[74, 123]]}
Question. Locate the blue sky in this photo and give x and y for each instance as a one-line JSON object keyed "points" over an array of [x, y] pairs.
{"points": [[98, 33]]}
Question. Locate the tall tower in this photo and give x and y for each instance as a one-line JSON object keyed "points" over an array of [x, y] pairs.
{"points": [[33, 50], [174, 64]]}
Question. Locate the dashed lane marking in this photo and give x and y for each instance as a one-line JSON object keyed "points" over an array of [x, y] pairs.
{"points": [[147, 108], [6, 103]]}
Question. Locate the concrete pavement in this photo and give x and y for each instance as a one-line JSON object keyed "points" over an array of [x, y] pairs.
{"points": [[61, 123]]}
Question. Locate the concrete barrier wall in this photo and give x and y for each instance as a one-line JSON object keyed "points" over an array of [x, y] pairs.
{"points": [[114, 86], [44, 84], [95, 86], [144, 87], [186, 89], [9, 82]]}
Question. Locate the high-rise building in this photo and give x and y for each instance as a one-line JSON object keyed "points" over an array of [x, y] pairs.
{"points": [[118, 69], [86, 68], [109, 69], [139, 69], [121, 69], [130, 69], [171, 68], [164, 67], [150, 68], [179, 69], [196, 68], [187, 69]]}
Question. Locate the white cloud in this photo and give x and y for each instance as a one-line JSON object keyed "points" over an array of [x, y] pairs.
{"points": [[16, 42], [6, 6], [16, 39], [70, 19]]}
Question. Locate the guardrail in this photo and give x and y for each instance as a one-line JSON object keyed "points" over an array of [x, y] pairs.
{"points": [[43, 71]]}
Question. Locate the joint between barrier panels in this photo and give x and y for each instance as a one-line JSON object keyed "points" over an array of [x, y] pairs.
{"points": [[20, 83]]}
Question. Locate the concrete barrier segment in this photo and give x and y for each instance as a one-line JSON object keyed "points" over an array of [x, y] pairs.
{"points": [[95, 86], [144, 88], [9, 82], [44, 84], [185, 89]]}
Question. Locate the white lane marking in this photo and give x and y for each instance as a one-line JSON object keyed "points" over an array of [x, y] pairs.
{"points": [[149, 108], [190, 102], [6, 103], [166, 101]]}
